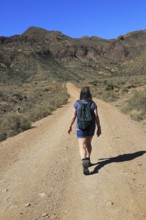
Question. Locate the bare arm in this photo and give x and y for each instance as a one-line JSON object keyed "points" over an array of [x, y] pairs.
{"points": [[97, 121], [73, 118]]}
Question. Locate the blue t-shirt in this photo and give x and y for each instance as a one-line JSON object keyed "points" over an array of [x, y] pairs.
{"points": [[77, 105]]}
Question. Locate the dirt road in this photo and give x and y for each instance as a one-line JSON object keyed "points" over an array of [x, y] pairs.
{"points": [[41, 173]]}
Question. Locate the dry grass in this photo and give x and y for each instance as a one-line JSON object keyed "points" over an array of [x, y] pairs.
{"points": [[126, 92], [22, 105], [136, 106]]}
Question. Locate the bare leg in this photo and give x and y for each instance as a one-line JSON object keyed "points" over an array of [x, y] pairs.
{"points": [[85, 147], [82, 147], [88, 146]]}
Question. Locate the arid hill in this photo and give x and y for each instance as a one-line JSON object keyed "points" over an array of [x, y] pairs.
{"points": [[38, 54]]}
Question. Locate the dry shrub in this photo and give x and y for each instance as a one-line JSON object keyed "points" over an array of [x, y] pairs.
{"points": [[137, 115], [110, 96], [28, 104], [40, 112], [136, 106], [13, 124]]}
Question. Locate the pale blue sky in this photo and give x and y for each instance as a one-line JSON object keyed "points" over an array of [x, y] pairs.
{"points": [[75, 18]]}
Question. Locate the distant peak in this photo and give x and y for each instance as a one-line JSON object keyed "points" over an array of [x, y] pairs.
{"points": [[33, 29]]}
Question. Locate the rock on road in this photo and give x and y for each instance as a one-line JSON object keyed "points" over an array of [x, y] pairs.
{"points": [[41, 173]]}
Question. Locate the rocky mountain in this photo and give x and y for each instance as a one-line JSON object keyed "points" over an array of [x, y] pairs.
{"points": [[39, 54]]}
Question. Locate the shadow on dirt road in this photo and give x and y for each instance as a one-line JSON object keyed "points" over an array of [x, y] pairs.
{"points": [[118, 159]]}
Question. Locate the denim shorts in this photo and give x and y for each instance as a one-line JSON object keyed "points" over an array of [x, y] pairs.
{"points": [[85, 133]]}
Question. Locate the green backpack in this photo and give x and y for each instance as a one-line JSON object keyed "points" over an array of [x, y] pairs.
{"points": [[85, 116]]}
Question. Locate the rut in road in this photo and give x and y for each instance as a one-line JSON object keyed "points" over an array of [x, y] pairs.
{"points": [[41, 173]]}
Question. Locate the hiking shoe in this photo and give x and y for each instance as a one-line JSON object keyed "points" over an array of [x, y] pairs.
{"points": [[89, 163], [85, 164]]}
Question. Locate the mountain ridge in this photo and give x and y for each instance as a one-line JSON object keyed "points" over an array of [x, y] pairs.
{"points": [[47, 55]]}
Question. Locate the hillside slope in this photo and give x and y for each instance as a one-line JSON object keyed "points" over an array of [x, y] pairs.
{"points": [[39, 54]]}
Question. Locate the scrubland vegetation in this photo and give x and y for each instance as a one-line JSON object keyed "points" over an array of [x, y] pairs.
{"points": [[136, 106], [114, 69], [21, 105], [127, 93]]}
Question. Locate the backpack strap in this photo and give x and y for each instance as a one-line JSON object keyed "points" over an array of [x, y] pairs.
{"points": [[81, 103]]}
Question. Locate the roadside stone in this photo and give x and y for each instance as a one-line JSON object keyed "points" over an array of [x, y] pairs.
{"points": [[27, 205], [5, 190], [44, 214], [110, 203], [139, 164], [42, 195]]}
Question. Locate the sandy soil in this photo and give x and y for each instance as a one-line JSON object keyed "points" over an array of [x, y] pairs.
{"points": [[41, 173]]}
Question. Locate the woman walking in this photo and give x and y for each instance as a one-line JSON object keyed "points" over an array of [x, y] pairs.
{"points": [[84, 134]]}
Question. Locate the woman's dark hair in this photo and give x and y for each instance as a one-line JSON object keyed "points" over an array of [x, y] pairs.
{"points": [[85, 93]]}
